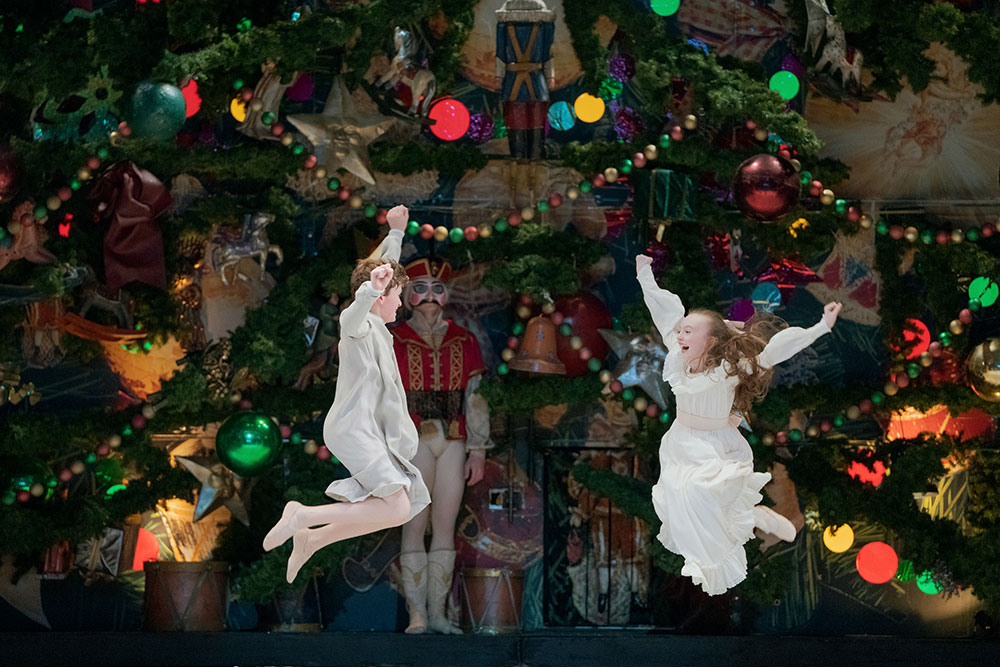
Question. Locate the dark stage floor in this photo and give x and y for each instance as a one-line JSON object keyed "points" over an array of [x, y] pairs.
{"points": [[577, 648]]}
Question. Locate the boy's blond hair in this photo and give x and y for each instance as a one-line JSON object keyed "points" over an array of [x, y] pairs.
{"points": [[363, 273]]}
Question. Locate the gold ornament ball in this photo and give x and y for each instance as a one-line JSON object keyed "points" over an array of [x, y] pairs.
{"points": [[865, 221], [853, 412], [640, 404], [287, 139], [148, 411], [256, 105], [14, 228], [926, 358], [114, 137], [690, 121], [77, 467], [956, 327], [235, 397], [890, 388], [760, 134], [796, 164], [827, 197], [911, 234], [485, 231], [651, 152], [440, 233], [812, 431], [611, 174], [84, 173], [310, 447], [53, 202], [549, 308], [957, 236], [524, 312], [115, 441], [355, 201], [527, 213], [37, 490], [508, 354], [983, 370], [605, 376], [767, 439], [573, 193], [576, 342], [320, 173]]}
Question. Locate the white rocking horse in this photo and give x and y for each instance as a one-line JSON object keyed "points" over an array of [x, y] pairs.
{"points": [[253, 242], [404, 69], [842, 59]]}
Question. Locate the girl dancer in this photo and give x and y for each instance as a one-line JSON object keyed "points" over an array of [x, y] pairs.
{"points": [[707, 494]]}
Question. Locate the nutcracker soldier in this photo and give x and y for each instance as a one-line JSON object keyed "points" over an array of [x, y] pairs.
{"points": [[441, 366], [525, 31]]}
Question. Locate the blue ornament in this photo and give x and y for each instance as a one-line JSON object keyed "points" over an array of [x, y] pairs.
{"points": [[158, 111], [766, 297], [561, 116]]}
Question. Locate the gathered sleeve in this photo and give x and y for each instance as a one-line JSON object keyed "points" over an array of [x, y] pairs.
{"points": [[392, 245], [354, 320], [788, 342], [665, 307]]}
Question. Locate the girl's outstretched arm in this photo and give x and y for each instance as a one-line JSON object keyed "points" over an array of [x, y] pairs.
{"points": [[788, 342], [665, 306]]}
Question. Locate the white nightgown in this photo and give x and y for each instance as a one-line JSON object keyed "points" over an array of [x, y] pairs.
{"points": [[707, 487], [368, 428]]}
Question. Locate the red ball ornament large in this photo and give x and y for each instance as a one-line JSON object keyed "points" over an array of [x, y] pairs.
{"points": [[585, 313], [765, 187]]}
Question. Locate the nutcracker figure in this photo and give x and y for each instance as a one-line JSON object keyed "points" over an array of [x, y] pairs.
{"points": [[525, 31], [441, 366]]}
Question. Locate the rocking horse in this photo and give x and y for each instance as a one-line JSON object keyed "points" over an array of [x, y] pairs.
{"points": [[414, 86], [117, 302], [253, 242]]}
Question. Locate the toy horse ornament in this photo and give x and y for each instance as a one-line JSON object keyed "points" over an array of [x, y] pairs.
{"points": [[252, 243], [404, 70], [843, 60]]}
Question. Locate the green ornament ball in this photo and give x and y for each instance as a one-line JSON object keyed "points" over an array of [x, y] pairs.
{"points": [[882, 227], [795, 435], [333, 183], [501, 225], [785, 84], [248, 443], [878, 397], [370, 210], [503, 369], [158, 111], [585, 187], [542, 206], [927, 585], [412, 227], [806, 177], [296, 439], [838, 421], [456, 234], [664, 140], [565, 329], [517, 329], [945, 338], [913, 370], [628, 394], [594, 365], [268, 117]]}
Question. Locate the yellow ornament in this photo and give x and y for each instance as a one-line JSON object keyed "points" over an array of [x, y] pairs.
{"points": [[573, 193], [956, 327], [588, 108], [238, 108], [527, 213], [508, 354], [310, 447], [911, 234], [148, 411], [14, 228], [926, 359], [320, 173], [690, 121], [84, 173], [53, 203], [77, 467], [611, 174], [440, 233], [115, 441], [485, 231], [812, 431], [548, 308], [355, 201], [256, 105], [767, 439], [287, 139], [640, 404], [827, 197], [795, 163], [605, 376], [890, 388], [651, 152], [853, 412], [760, 134], [37, 490], [838, 540], [983, 370], [523, 312], [957, 236], [865, 221], [576, 342]]}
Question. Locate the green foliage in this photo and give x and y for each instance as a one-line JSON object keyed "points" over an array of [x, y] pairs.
{"points": [[983, 510], [512, 395], [410, 158]]}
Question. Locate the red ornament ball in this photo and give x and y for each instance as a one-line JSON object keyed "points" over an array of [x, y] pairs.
{"points": [[525, 300], [765, 187], [245, 404], [64, 194], [941, 237], [816, 188], [599, 180], [65, 475], [138, 421], [585, 313], [344, 194], [639, 160], [865, 406], [877, 562], [286, 431], [94, 163], [616, 386], [896, 232], [310, 161], [653, 410], [323, 453], [514, 219], [555, 200], [965, 316], [902, 380], [426, 231], [471, 233], [853, 214], [451, 119], [677, 133], [935, 349], [513, 342], [103, 449], [278, 129], [557, 318], [381, 216], [23, 496], [988, 230]]}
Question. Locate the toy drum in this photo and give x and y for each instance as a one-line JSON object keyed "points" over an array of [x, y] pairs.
{"points": [[491, 600]]}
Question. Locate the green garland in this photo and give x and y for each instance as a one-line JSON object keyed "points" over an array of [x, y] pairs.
{"points": [[893, 37], [410, 158], [513, 395]]}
